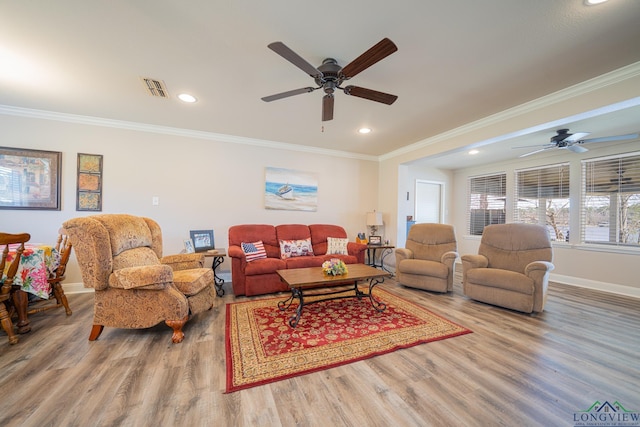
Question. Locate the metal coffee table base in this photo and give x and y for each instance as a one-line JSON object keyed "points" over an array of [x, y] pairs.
{"points": [[297, 293]]}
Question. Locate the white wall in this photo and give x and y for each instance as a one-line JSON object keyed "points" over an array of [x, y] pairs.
{"points": [[406, 206], [201, 184]]}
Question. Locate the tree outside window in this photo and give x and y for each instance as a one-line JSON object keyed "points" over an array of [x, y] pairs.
{"points": [[542, 197], [611, 200]]}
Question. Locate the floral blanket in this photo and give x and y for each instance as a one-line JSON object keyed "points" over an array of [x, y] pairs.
{"points": [[38, 263]]}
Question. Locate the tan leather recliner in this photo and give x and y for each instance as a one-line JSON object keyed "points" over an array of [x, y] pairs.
{"points": [[120, 256], [512, 267], [428, 259]]}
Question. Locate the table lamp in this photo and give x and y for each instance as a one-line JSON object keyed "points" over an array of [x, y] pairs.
{"points": [[374, 220]]}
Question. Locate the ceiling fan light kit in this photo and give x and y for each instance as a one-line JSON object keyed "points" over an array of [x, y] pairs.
{"points": [[573, 141], [329, 76]]}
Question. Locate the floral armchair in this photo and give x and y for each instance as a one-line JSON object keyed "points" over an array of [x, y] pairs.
{"points": [[120, 256]]}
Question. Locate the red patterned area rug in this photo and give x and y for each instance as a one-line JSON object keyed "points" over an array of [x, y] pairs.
{"points": [[262, 348]]}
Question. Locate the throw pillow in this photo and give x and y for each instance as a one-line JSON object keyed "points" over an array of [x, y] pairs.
{"points": [[253, 251], [337, 246], [294, 248]]}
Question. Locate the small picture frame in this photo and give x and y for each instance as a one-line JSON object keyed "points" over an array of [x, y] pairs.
{"points": [[375, 240], [188, 246], [202, 240]]}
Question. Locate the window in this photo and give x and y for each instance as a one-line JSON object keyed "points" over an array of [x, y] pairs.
{"points": [[611, 200], [542, 197], [486, 200]]}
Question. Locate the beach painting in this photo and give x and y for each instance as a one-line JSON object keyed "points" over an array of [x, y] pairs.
{"points": [[291, 190]]}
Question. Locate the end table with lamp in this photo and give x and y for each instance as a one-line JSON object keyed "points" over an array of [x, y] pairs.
{"points": [[374, 220]]}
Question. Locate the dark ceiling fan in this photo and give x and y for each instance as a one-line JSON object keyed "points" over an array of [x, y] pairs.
{"points": [[329, 76], [573, 141]]}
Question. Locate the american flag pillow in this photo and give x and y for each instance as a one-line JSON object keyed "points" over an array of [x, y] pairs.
{"points": [[253, 251]]}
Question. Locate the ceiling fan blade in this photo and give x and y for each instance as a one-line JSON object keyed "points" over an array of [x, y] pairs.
{"points": [[612, 138], [372, 95], [534, 152], [327, 107], [381, 50], [288, 93], [575, 136], [282, 50], [576, 148], [536, 145]]}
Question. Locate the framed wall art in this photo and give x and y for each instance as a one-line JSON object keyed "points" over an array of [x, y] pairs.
{"points": [[290, 190], [29, 179], [202, 240], [89, 184]]}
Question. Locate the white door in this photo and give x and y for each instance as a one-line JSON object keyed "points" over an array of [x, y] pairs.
{"points": [[429, 201]]}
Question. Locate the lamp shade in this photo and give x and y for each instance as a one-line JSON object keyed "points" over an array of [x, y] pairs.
{"points": [[374, 218]]}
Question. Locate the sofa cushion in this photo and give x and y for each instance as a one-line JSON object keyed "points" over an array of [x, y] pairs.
{"points": [[253, 250], [347, 259], [192, 281], [253, 233], [304, 262], [264, 266], [321, 232], [337, 246], [295, 248]]}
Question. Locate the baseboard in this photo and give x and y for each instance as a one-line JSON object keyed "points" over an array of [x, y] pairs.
{"points": [[593, 284]]}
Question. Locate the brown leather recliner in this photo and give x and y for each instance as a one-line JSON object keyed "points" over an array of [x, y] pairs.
{"points": [[512, 267], [120, 256]]}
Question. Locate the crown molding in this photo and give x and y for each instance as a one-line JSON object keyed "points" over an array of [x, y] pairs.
{"points": [[586, 87], [172, 131]]}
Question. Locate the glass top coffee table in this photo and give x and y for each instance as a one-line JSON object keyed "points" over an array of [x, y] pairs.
{"points": [[303, 280]]}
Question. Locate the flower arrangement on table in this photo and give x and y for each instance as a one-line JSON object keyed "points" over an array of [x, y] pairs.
{"points": [[334, 267]]}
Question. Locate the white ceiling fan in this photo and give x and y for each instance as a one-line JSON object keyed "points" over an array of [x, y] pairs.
{"points": [[573, 141]]}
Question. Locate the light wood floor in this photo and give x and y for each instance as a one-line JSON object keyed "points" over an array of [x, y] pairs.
{"points": [[513, 370]]}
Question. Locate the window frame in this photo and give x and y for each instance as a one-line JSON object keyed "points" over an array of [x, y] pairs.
{"points": [[492, 214], [594, 172], [550, 180]]}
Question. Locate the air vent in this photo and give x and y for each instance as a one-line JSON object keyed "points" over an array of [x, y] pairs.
{"points": [[155, 87]]}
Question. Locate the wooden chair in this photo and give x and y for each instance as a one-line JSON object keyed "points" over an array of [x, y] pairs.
{"points": [[7, 280], [63, 247]]}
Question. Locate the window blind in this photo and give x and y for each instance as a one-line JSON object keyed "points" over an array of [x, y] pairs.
{"points": [[610, 211], [542, 197], [486, 202]]}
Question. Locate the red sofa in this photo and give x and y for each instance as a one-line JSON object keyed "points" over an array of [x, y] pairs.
{"points": [[259, 276]]}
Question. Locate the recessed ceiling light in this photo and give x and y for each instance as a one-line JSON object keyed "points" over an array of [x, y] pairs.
{"points": [[592, 2], [364, 130], [472, 152], [185, 97]]}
